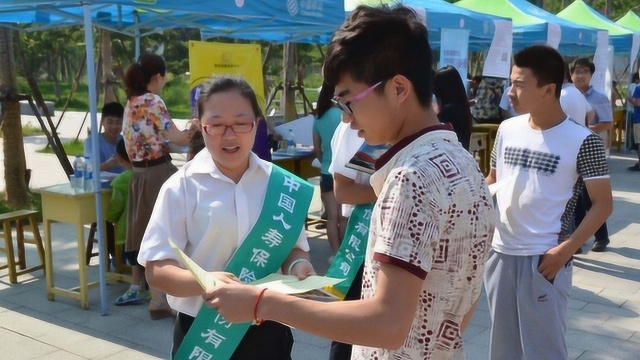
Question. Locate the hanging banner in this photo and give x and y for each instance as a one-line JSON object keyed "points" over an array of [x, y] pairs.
{"points": [[635, 47], [554, 33], [601, 62], [498, 60], [454, 50], [211, 58]]}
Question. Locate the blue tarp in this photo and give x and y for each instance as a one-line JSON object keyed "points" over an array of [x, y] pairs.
{"points": [[265, 20], [443, 15]]}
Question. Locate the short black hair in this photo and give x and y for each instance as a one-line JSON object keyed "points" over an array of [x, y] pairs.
{"points": [[376, 44], [121, 150], [635, 77], [584, 62], [113, 109], [545, 63]]}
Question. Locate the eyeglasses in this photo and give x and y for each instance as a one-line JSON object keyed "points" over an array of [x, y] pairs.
{"points": [[346, 106], [221, 129]]}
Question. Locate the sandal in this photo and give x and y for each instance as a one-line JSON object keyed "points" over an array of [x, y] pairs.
{"points": [[159, 311]]}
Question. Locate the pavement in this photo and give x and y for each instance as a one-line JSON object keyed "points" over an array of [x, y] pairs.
{"points": [[604, 320]]}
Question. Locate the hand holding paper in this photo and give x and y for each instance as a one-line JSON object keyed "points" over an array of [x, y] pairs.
{"points": [[286, 284]]}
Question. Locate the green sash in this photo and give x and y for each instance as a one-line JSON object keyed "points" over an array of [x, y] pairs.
{"points": [[350, 256], [263, 251]]}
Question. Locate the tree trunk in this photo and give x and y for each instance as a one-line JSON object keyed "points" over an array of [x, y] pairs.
{"points": [[107, 67], [14, 159], [288, 102]]}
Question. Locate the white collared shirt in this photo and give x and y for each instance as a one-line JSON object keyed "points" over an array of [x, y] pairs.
{"points": [[207, 215]]}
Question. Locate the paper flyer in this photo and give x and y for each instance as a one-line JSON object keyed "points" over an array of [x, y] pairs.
{"points": [[286, 284]]}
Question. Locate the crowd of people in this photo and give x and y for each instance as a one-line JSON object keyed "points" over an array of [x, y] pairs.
{"points": [[416, 240]]}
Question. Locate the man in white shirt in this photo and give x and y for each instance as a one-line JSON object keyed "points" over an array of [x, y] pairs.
{"points": [[543, 160]]}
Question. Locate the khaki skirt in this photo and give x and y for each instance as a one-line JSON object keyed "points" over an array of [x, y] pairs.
{"points": [[143, 192]]}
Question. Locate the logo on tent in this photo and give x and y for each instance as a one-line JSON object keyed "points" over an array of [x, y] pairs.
{"points": [[292, 7]]}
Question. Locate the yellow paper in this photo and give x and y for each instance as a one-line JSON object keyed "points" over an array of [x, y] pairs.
{"points": [[289, 284], [206, 280]]}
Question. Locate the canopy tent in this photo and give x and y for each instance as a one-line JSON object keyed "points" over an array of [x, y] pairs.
{"points": [[312, 21], [620, 38], [630, 21], [165, 13], [534, 25], [439, 14]]}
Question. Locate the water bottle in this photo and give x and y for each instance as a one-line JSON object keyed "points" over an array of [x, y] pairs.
{"points": [[88, 175], [77, 181], [291, 143]]}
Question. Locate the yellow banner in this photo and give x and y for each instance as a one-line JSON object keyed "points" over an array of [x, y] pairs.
{"points": [[211, 58]]}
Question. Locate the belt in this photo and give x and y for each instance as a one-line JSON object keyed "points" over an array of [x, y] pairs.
{"points": [[151, 163]]}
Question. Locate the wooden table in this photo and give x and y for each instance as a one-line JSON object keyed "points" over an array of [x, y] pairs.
{"points": [[60, 203], [298, 163], [489, 131]]}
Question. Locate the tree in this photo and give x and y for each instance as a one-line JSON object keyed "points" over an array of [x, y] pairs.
{"points": [[14, 159]]}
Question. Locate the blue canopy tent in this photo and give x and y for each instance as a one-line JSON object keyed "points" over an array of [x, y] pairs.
{"points": [[129, 16], [532, 25]]}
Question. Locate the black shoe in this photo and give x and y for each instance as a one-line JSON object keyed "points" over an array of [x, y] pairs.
{"points": [[600, 245], [635, 167]]}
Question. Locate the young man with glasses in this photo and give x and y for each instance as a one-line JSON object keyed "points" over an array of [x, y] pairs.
{"points": [[582, 70], [432, 222]]}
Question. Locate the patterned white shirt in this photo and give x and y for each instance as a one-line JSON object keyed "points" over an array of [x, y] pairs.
{"points": [[433, 218]]}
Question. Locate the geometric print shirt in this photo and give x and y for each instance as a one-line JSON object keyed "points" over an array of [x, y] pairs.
{"points": [[541, 173], [434, 218]]}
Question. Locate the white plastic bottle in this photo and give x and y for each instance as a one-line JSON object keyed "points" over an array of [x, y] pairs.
{"points": [[291, 143], [77, 180], [88, 175]]}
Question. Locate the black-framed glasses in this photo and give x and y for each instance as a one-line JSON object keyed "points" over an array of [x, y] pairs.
{"points": [[346, 106], [221, 129]]}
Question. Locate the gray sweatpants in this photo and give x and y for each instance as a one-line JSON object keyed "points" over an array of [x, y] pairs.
{"points": [[528, 312]]}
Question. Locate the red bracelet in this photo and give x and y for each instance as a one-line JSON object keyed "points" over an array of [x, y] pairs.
{"points": [[255, 308]]}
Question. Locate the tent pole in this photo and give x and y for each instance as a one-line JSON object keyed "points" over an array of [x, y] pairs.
{"points": [[136, 36], [95, 154]]}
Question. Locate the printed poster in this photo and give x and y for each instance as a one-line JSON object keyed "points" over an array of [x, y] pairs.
{"points": [[209, 58]]}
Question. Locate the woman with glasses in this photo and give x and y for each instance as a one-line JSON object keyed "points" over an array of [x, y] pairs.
{"points": [[209, 209], [147, 128]]}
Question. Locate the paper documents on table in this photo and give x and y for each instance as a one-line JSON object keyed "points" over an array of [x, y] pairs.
{"points": [[286, 284]]}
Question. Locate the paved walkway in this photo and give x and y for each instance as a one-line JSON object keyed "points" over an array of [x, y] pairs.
{"points": [[604, 320]]}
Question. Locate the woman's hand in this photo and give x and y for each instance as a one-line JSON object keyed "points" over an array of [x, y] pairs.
{"points": [[234, 301], [225, 277], [302, 269]]}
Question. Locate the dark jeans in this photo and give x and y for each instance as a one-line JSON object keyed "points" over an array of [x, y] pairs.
{"points": [[342, 351], [582, 206], [271, 340]]}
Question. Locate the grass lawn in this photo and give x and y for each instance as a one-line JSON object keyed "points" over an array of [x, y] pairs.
{"points": [[71, 148]]}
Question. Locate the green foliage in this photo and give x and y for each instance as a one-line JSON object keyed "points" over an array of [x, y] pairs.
{"points": [[35, 203], [72, 147], [29, 130]]}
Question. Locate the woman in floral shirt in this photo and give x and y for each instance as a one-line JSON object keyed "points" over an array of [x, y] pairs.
{"points": [[147, 129]]}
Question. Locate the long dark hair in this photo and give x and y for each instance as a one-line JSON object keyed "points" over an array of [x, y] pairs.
{"points": [[324, 99], [449, 90], [139, 74]]}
